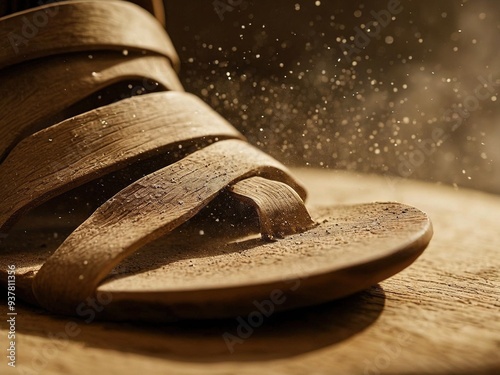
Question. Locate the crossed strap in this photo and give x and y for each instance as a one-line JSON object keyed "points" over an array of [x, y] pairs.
{"points": [[43, 159]]}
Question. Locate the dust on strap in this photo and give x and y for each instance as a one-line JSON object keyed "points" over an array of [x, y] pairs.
{"points": [[132, 219], [53, 84], [82, 26]]}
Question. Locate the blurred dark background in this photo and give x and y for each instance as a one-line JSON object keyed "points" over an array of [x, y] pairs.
{"points": [[415, 97]]}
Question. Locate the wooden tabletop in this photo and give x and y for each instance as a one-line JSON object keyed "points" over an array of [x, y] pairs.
{"points": [[440, 316]]}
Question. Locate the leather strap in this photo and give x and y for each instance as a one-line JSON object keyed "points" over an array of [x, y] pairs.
{"points": [[281, 210], [144, 211], [83, 26], [87, 147], [53, 84]]}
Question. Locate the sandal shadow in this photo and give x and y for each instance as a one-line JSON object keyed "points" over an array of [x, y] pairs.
{"points": [[281, 335]]}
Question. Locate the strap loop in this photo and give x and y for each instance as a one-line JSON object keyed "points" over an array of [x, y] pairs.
{"points": [[281, 210]]}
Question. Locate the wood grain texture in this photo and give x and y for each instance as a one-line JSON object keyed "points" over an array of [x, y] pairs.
{"points": [[144, 211], [87, 26], [160, 202], [440, 316], [53, 84], [175, 277], [98, 142], [281, 210]]}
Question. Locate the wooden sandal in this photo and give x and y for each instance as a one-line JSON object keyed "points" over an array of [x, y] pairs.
{"points": [[154, 207]]}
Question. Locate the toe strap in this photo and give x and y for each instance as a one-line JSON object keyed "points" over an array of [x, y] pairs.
{"points": [[144, 211], [281, 210]]}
